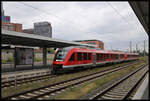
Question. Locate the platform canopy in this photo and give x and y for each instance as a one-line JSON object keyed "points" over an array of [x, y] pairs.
{"points": [[32, 40], [141, 9]]}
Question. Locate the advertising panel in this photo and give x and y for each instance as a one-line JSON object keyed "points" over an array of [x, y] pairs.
{"points": [[24, 56]]}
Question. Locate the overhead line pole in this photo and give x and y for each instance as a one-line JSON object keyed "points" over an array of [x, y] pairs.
{"points": [[144, 51], [136, 47], [130, 47]]}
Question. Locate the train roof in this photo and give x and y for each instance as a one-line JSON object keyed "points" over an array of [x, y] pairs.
{"points": [[82, 48]]}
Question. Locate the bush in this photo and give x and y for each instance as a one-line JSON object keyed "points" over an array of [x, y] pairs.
{"points": [[37, 59]]}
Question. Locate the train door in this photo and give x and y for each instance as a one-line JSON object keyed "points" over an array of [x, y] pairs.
{"points": [[94, 58], [119, 57]]}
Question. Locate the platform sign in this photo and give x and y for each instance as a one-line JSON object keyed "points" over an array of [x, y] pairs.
{"points": [[24, 56]]}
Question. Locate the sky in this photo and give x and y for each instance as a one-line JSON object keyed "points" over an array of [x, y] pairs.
{"points": [[114, 23]]}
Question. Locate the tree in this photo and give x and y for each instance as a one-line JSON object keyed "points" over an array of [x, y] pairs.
{"points": [[51, 50]]}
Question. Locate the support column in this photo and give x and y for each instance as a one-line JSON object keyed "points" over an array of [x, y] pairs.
{"points": [[33, 58], [44, 56], [15, 58]]}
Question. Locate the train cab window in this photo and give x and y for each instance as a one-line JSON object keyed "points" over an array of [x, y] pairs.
{"points": [[84, 56], [79, 56], [72, 58], [61, 55], [89, 56]]}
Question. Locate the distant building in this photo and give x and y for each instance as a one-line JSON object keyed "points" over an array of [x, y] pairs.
{"points": [[3, 17], [43, 29], [12, 26], [7, 25], [2, 10], [40, 28], [30, 31], [98, 43]]}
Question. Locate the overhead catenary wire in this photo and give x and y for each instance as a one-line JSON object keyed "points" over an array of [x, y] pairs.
{"points": [[120, 16], [48, 13], [117, 12]]}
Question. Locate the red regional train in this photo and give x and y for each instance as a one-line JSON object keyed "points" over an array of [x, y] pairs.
{"points": [[82, 57]]}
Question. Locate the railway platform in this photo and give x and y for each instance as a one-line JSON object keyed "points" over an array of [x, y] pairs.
{"points": [[25, 73], [8, 68], [143, 91]]}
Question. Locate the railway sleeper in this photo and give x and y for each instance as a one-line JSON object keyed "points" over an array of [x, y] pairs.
{"points": [[116, 93], [110, 95], [31, 94], [110, 98]]}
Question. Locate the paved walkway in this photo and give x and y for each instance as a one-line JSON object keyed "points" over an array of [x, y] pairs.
{"points": [[143, 91], [24, 72], [10, 67]]}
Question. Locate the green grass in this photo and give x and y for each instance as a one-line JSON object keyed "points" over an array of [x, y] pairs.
{"points": [[38, 59], [9, 59]]}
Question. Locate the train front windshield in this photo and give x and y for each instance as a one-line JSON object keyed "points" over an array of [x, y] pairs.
{"points": [[61, 55]]}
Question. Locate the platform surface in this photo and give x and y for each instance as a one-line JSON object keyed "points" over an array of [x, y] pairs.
{"points": [[24, 72], [143, 91]]}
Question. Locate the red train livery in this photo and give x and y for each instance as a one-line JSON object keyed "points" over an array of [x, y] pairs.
{"points": [[80, 57]]}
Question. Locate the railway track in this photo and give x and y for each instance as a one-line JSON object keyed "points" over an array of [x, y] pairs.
{"points": [[21, 81], [26, 80], [47, 91], [121, 89]]}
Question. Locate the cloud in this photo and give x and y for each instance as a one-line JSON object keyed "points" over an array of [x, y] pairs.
{"points": [[82, 20]]}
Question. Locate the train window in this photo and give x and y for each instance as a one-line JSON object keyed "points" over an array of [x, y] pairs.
{"points": [[129, 56], [97, 56], [104, 56], [72, 58], [79, 56], [111, 56], [61, 55], [107, 56], [101, 57], [89, 56], [122, 55], [116, 56], [84, 56]]}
